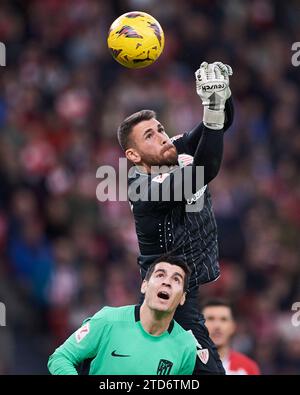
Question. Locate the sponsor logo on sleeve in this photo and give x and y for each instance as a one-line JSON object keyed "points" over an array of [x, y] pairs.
{"points": [[81, 333]]}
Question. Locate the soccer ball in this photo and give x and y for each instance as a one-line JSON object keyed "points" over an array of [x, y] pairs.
{"points": [[136, 39]]}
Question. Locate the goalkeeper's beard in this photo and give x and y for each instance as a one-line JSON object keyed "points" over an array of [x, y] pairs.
{"points": [[167, 158]]}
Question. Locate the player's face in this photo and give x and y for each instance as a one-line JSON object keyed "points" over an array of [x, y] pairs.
{"points": [[164, 291], [220, 324], [151, 145]]}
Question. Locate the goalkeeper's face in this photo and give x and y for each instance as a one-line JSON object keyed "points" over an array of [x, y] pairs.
{"points": [[151, 146]]}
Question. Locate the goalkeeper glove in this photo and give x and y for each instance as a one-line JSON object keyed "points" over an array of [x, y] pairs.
{"points": [[212, 84], [226, 71]]}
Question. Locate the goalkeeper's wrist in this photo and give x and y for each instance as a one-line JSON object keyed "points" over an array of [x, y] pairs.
{"points": [[213, 119]]}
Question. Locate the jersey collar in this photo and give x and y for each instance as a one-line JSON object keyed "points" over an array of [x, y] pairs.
{"points": [[138, 317]]}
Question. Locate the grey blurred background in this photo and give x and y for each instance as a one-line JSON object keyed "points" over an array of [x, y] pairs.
{"points": [[64, 255]]}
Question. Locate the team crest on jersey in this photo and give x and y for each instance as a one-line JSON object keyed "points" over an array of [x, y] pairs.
{"points": [[203, 354], [185, 159], [164, 367], [82, 332]]}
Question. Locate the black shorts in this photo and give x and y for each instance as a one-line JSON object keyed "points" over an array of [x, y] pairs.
{"points": [[189, 317]]}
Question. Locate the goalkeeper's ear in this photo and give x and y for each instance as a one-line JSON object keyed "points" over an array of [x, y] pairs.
{"points": [[133, 155]]}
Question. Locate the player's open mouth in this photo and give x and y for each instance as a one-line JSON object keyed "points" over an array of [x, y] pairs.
{"points": [[163, 295]]}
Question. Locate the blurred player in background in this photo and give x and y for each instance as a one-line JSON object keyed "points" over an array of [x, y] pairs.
{"points": [[135, 339], [166, 225], [221, 325]]}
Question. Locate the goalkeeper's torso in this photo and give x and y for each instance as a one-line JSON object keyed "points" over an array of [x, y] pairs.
{"points": [[168, 227]]}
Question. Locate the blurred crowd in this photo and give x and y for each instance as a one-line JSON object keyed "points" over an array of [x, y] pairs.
{"points": [[64, 254]]}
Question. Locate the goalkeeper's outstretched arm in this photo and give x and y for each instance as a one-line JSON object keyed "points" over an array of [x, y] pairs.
{"points": [[218, 109], [229, 114]]}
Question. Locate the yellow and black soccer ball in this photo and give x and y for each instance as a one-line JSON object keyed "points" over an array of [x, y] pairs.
{"points": [[136, 39]]}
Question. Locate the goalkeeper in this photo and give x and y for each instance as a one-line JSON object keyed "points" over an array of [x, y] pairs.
{"points": [[186, 227], [135, 339]]}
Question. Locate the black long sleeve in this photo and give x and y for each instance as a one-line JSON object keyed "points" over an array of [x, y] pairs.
{"points": [[229, 114], [190, 140], [209, 153]]}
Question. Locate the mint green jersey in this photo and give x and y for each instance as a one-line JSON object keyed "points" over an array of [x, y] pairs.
{"points": [[118, 344]]}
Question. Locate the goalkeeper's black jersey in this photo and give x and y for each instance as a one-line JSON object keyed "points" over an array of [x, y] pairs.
{"points": [[191, 235], [167, 226]]}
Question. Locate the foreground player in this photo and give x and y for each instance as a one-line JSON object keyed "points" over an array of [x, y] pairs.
{"points": [[166, 225], [221, 326], [135, 339]]}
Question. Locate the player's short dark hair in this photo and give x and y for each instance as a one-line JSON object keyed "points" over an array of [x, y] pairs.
{"points": [[127, 125], [217, 302], [172, 260]]}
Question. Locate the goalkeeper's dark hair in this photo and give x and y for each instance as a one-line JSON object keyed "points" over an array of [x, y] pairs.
{"points": [[127, 125], [172, 260], [218, 302]]}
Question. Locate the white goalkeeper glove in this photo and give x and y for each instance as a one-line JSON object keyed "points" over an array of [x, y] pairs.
{"points": [[226, 71], [212, 84]]}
